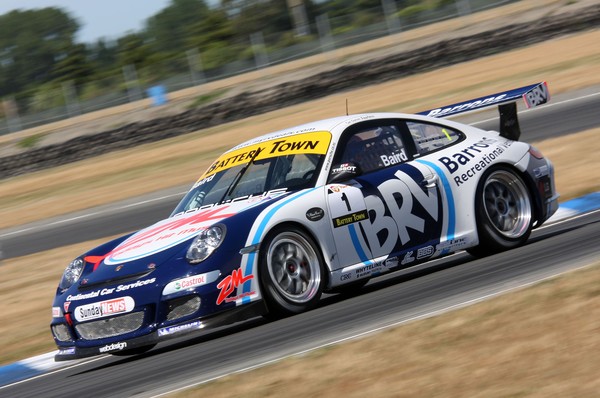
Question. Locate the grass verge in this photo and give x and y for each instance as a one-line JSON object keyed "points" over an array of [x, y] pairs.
{"points": [[538, 342], [178, 161]]}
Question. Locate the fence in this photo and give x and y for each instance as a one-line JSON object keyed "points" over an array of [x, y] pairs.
{"points": [[325, 34]]}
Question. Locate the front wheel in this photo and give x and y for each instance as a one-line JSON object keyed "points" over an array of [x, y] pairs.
{"points": [[504, 212], [291, 271]]}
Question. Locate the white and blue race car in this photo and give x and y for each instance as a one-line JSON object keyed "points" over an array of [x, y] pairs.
{"points": [[278, 220]]}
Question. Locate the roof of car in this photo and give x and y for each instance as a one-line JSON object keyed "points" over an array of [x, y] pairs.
{"points": [[333, 125]]}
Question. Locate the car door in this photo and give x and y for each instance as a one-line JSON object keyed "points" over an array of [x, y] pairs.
{"points": [[391, 207]]}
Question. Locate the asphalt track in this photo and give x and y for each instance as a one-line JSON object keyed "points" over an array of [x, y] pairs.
{"points": [[565, 114], [388, 300]]}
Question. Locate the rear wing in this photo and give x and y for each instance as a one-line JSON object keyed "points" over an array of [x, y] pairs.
{"points": [[533, 95]]}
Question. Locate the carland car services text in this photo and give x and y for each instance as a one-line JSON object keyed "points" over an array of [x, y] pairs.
{"points": [[475, 153]]}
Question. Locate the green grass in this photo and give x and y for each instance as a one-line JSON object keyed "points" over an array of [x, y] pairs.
{"points": [[207, 98], [31, 141]]}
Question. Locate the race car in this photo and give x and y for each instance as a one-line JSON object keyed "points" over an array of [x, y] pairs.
{"points": [[323, 207]]}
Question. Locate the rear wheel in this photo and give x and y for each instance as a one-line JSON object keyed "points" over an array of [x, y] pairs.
{"points": [[504, 212], [291, 271]]}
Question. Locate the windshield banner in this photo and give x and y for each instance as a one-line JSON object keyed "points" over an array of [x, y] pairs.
{"points": [[315, 142]]}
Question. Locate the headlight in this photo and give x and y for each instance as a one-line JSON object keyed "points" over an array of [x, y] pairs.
{"points": [[205, 243], [72, 273]]}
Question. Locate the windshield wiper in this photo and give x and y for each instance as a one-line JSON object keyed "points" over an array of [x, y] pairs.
{"points": [[239, 176]]}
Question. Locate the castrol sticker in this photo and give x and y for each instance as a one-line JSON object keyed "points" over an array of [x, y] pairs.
{"points": [[190, 282]]}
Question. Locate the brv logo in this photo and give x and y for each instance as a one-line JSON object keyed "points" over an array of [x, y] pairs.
{"points": [[401, 197], [537, 96]]}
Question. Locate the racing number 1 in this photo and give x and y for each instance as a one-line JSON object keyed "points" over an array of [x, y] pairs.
{"points": [[347, 208], [345, 200]]}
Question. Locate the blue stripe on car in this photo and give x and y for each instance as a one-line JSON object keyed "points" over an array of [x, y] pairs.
{"points": [[357, 246], [259, 235]]}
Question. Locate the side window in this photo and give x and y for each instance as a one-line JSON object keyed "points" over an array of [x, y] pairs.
{"points": [[374, 148], [431, 137]]}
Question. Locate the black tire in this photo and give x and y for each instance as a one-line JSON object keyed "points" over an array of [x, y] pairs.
{"points": [[291, 271], [504, 212]]}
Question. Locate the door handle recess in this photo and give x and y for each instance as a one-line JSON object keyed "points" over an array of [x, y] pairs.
{"points": [[430, 182]]}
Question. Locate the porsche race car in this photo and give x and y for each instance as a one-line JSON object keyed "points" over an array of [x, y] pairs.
{"points": [[323, 207]]}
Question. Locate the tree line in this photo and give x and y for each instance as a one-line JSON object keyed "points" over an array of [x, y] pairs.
{"points": [[38, 47]]}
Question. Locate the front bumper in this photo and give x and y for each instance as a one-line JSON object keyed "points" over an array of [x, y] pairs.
{"points": [[122, 346]]}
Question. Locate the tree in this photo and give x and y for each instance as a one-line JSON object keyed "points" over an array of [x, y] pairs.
{"points": [[216, 27], [169, 30], [74, 66], [31, 43], [267, 16], [103, 56], [132, 50]]}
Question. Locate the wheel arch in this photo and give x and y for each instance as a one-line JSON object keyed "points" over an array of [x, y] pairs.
{"points": [[527, 179], [290, 223], [490, 241], [536, 200]]}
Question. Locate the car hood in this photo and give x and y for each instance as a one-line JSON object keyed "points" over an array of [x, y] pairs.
{"points": [[172, 231], [141, 253], [153, 241]]}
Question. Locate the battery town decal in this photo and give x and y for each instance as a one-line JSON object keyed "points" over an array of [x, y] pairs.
{"points": [[350, 218], [316, 143]]}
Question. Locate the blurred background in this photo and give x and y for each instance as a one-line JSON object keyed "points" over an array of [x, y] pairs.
{"points": [[50, 71], [69, 68]]}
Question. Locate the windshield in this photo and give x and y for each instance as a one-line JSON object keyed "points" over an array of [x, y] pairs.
{"points": [[274, 166]]}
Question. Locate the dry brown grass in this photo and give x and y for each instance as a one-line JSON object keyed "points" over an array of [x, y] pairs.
{"points": [[536, 339], [568, 63], [576, 162], [27, 288], [530, 343]]}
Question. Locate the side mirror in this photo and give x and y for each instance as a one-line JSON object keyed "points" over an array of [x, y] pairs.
{"points": [[344, 172]]}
